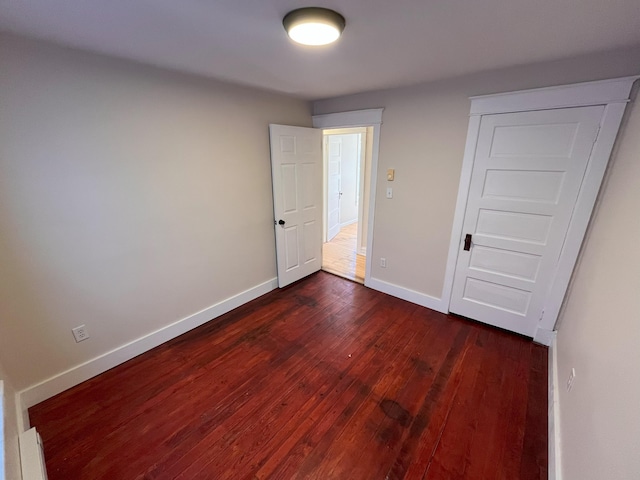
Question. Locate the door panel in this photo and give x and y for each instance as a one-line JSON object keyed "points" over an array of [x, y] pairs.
{"points": [[296, 165], [503, 262], [525, 227], [527, 173], [495, 295], [537, 186]]}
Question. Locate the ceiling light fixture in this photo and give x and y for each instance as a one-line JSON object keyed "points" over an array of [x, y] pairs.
{"points": [[314, 25]]}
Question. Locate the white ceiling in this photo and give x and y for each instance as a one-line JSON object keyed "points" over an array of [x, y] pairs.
{"points": [[386, 43]]}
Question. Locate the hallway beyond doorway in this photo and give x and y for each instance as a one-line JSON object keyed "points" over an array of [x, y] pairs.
{"points": [[339, 255]]}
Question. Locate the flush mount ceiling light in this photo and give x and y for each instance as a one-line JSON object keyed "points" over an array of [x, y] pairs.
{"points": [[314, 25]]}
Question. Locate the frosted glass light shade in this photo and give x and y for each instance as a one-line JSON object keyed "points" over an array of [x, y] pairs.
{"points": [[314, 25]]}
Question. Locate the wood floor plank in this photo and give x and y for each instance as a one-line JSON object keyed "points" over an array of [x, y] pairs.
{"points": [[534, 460], [328, 385], [241, 402], [426, 429], [301, 385], [323, 379], [475, 410], [341, 444], [369, 367], [340, 257]]}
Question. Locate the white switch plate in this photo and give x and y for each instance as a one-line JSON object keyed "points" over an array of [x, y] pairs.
{"points": [[389, 192], [383, 262]]}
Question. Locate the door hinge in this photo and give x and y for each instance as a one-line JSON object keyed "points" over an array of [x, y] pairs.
{"points": [[541, 315]]}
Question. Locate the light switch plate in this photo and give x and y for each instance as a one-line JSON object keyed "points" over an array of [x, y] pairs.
{"points": [[391, 174]]}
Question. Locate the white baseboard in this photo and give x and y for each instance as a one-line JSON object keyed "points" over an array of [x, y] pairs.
{"points": [[544, 337], [78, 374], [555, 470], [409, 295]]}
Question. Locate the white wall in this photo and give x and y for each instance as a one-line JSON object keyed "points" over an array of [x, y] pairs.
{"points": [[130, 197], [599, 331], [10, 431], [422, 137]]}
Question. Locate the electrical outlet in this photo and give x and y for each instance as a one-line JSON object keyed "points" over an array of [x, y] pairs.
{"points": [[383, 262], [80, 333], [572, 376]]}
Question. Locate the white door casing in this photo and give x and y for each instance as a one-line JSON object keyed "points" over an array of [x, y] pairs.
{"points": [[296, 166], [334, 169], [613, 95], [360, 118], [364, 164], [526, 177]]}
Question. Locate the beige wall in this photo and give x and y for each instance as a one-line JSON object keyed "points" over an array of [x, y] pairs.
{"points": [[422, 137], [130, 198], [599, 332], [11, 449]]}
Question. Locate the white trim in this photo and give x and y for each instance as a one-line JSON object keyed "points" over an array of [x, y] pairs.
{"points": [[22, 414], [356, 118], [544, 336], [78, 374], [601, 92], [609, 126], [325, 188], [461, 206], [362, 167], [360, 118], [555, 458], [409, 295], [537, 99], [343, 131]]}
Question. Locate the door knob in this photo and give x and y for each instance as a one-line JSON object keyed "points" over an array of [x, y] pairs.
{"points": [[467, 241], [280, 222]]}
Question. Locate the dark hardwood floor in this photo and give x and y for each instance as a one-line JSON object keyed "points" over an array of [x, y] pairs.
{"points": [[325, 379]]}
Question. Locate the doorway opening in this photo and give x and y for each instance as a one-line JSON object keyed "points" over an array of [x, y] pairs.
{"points": [[347, 158]]}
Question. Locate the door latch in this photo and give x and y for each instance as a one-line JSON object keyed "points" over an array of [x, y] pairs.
{"points": [[467, 242]]}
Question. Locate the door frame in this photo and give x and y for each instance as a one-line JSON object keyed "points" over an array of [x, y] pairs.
{"points": [[614, 95], [362, 160], [360, 118]]}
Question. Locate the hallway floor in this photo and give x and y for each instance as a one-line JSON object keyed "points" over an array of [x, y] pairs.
{"points": [[339, 256]]}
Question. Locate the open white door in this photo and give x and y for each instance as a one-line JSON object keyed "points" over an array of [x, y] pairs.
{"points": [[526, 178], [296, 166], [334, 161]]}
